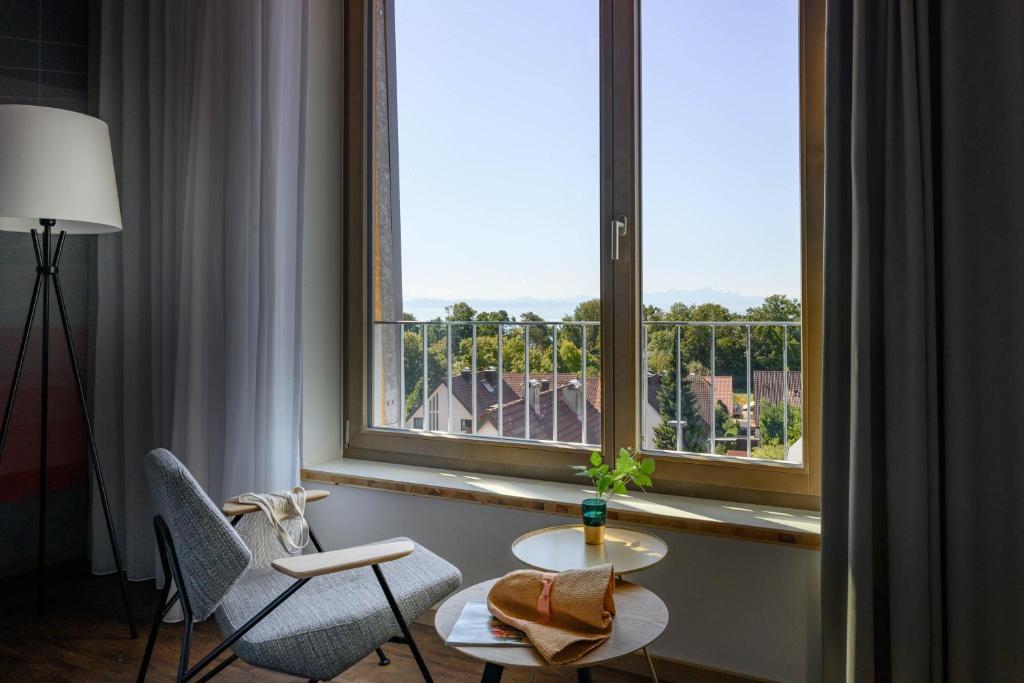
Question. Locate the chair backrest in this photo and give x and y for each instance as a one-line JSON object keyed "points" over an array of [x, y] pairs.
{"points": [[210, 552]]}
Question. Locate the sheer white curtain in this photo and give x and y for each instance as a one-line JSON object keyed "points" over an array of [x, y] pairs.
{"points": [[196, 330]]}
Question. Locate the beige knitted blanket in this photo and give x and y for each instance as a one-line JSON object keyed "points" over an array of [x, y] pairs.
{"points": [[565, 615]]}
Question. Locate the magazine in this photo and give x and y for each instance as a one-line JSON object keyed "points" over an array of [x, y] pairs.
{"points": [[476, 626]]}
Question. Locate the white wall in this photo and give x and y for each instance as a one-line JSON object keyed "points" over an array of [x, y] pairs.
{"points": [[749, 608]]}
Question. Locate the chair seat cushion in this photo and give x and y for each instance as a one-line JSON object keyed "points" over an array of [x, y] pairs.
{"points": [[334, 620]]}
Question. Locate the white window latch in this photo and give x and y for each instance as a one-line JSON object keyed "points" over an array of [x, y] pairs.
{"points": [[619, 229]]}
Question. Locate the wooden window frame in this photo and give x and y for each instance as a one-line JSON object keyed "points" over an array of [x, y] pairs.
{"points": [[706, 476]]}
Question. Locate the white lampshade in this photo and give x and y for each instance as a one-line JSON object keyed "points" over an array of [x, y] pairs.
{"points": [[56, 164]]}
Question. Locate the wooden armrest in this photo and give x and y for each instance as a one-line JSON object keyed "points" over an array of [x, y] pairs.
{"points": [[317, 564], [232, 507]]}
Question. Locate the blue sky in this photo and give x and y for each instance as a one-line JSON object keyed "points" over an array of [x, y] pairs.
{"points": [[498, 146]]}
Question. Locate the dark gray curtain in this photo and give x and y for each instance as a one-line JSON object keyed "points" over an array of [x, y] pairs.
{"points": [[922, 562]]}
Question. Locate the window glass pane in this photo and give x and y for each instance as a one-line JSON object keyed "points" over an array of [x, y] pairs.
{"points": [[486, 219], [721, 227]]}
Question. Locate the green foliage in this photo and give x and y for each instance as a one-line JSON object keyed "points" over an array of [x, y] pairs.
{"points": [[725, 425], [459, 311], [585, 311], [694, 351], [730, 341], [769, 450], [629, 469], [771, 419], [569, 357], [695, 430]]}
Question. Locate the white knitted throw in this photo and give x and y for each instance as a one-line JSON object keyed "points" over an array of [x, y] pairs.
{"points": [[282, 526]]}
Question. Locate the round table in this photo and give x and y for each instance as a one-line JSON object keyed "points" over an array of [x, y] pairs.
{"points": [[640, 617], [558, 548]]}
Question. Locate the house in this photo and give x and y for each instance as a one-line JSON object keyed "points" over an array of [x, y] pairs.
{"points": [[554, 400], [568, 410], [700, 388]]}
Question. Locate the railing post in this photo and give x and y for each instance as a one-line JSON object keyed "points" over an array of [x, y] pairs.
{"points": [[583, 366], [448, 328], [785, 393], [473, 377], [750, 412], [554, 382], [401, 375], [426, 383], [714, 343], [526, 379], [501, 380], [679, 389]]}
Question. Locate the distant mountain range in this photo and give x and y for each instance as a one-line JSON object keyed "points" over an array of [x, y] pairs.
{"points": [[556, 309]]}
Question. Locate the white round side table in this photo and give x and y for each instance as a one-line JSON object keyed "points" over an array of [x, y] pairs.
{"points": [[558, 548]]}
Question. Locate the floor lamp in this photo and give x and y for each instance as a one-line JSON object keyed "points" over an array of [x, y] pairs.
{"points": [[56, 176]]}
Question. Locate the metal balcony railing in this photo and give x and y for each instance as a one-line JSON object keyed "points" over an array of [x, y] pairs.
{"points": [[552, 332], [790, 332], [528, 403]]}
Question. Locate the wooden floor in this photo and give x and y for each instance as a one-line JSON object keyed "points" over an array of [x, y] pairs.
{"points": [[81, 635]]}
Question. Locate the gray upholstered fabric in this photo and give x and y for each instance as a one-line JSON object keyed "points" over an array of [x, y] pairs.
{"points": [[326, 626], [211, 554], [333, 621]]}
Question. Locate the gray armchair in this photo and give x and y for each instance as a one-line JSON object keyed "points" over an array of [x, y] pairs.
{"points": [[311, 616]]}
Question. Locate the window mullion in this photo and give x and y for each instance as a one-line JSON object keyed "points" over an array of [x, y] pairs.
{"points": [[620, 277]]}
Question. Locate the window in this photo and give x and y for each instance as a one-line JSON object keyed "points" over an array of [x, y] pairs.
{"points": [[531, 278], [503, 355], [721, 208]]}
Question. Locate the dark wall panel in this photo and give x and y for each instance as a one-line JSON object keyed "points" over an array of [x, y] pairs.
{"points": [[43, 61]]}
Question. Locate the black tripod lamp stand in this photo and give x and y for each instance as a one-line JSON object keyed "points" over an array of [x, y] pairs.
{"points": [[56, 179]]}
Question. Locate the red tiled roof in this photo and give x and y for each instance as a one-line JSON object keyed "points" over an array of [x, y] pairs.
{"points": [[768, 388], [542, 418], [700, 387]]}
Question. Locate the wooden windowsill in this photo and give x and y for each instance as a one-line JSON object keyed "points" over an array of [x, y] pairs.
{"points": [[765, 524]]}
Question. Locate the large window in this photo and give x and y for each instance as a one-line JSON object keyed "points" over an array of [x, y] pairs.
{"points": [[587, 224]]}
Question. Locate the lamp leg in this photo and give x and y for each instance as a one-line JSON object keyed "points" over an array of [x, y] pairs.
{"points": [[94, 457], [43, 431], [20, 363]]}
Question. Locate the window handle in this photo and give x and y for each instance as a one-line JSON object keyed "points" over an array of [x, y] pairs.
{"points": [[619, 229]]}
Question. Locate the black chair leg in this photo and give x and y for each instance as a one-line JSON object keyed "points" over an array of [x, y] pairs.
{"points": [[186, 643], [402, 625], [384, 661], [157, 618], [583, 675], [492, 673]]}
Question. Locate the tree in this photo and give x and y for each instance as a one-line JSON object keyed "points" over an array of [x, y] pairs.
{"points": [[661, 348], [725, 426], [459, 311], [499, 316], [652, 313], [771, 419], [540, 335], [695, 430], [766, 341], [413, 368], [585, 311], [569, 357]]}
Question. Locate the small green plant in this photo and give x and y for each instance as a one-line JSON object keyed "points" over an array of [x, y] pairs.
{"points": [[629, 469]]}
